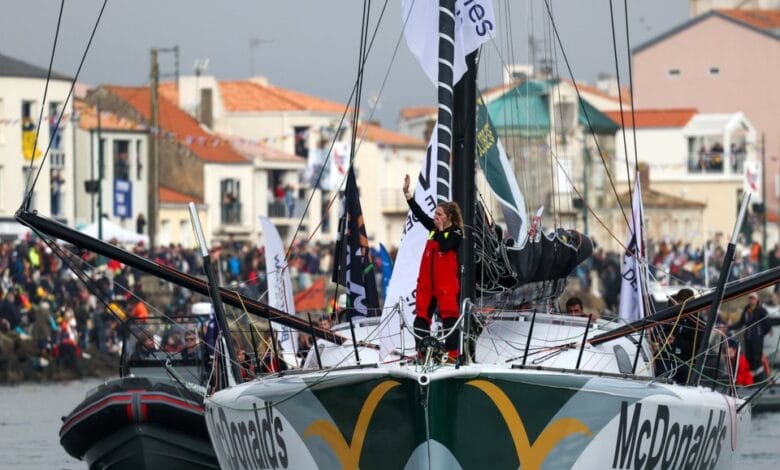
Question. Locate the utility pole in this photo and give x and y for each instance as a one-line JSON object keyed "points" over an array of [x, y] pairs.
{"points": [[764, 260], [153, 183], [101, 165], [585, 174]]}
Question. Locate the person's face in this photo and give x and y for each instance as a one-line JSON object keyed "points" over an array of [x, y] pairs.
{"points": [[575, 309], [753, 301], [440, 218], [149, 343], [190, 341], [325, 324]]}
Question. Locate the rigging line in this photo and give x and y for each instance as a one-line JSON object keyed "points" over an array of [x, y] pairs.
{"points": [[359, 80], [585, 112], [28, 190], [630, 88], [67, 99], [330, 150], [620, 103], [91, 286], [590, 209]]}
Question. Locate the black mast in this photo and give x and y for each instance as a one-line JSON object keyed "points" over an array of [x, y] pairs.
{"points": [[463, 174]]}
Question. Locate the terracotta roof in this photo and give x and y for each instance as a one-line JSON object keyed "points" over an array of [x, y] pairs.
{"points": [[649, 118], [108, 121], [169, 91], [185, 128], [171, 196], [379, 135], [624, 91], [413, 112], [768, 20], [252, 149], [247, 96], [654, 200]]}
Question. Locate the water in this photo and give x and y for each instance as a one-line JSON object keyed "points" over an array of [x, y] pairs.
{"points": [[30, 423]]}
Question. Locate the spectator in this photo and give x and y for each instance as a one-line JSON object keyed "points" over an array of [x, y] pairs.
{"points": [[753, 320]]}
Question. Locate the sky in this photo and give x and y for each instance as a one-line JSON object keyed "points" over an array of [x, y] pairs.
{"points": [[311, 46]]}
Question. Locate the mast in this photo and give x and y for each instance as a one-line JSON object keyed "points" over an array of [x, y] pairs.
{"points": [[446, 98], [464, 168]]}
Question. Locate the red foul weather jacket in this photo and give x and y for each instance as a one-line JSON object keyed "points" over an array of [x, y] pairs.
{"points": [[438, 277]]}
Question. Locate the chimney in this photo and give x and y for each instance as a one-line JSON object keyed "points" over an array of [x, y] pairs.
{"points": [[644, 176], [206, 108]]}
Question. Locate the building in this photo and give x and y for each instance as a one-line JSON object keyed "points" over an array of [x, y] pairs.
{"points": [[270, 124], [724, 62], [21, 156], [194, 164], [111, 173], [708, 158]]}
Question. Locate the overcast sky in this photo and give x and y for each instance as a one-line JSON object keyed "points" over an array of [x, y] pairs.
{"points": [[307, 45]]}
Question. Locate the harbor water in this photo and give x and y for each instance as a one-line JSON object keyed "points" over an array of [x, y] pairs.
{"points": [[30, 418]]}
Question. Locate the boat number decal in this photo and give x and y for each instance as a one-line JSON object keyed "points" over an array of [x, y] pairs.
{"points": [[531, 456], [254, 443], [672, 444], [349, 454]]}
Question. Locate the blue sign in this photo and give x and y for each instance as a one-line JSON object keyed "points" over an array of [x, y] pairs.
{"points": [[123, 198]]}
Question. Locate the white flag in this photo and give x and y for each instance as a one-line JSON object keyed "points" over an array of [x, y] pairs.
{"points": [[474, 24], [631, 299], [403, 282], [280, 294]]}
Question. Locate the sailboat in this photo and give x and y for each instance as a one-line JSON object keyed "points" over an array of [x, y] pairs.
{"points": [[534, 388], [531, 387]]}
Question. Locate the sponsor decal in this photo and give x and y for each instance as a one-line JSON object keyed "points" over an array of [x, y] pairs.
{"points": [[254, 443], [349, 454], [530, 455], [661, 441]]}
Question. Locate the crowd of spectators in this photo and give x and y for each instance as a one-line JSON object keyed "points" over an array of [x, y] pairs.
{"points": [[43, 302]]}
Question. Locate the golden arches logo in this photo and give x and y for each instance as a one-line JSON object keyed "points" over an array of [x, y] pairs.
{"points": [[349, 454], [531, 456]]}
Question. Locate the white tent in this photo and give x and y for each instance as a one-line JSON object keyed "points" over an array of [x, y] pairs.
{"points": [[113, 231]]}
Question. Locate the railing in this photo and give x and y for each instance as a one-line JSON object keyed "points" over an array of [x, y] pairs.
{"points": [[393, 200], [230, 213], [280, 209], [716, 162]]}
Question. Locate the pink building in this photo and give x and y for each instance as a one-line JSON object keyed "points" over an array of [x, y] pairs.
{"points": [[724, 61]]}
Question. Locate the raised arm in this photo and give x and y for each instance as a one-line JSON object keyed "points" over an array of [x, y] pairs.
{"points": [[416, 209]]}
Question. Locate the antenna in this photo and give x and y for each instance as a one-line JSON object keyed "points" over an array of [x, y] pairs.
{"points": [[255, 41]]}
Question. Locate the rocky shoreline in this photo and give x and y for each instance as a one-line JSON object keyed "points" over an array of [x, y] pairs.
{"points": [[20, 362]]}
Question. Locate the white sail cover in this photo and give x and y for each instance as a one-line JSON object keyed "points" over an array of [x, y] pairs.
{"points": [[403, 283], [631, 299], [474, 23], [280, 293]]}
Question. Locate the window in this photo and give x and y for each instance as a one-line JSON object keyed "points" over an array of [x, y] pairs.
{"points": [[230, 194], [673, 73], [55, 131], [714, 70], [301, 141], [56, 184], [121, 158], [2, 127], [139, 166], [28, 132]]}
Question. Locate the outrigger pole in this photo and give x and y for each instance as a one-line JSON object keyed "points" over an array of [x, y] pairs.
{"points": [[216, 300], [62, 232], [724, 275], [733, 290]]}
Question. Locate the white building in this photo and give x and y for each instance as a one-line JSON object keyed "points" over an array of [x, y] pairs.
{"points": [[21, 94]]}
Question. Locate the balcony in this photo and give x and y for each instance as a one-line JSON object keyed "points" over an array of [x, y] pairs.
{"points": [[717, 163], [393, 202], [230, 213], [278, 209]]}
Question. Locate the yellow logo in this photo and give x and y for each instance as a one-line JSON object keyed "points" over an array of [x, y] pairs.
{"points": [[349, 454], [531, 456]]}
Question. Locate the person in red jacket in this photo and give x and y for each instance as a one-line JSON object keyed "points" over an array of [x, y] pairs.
{"points": [[438, 286], [738, 361]]}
